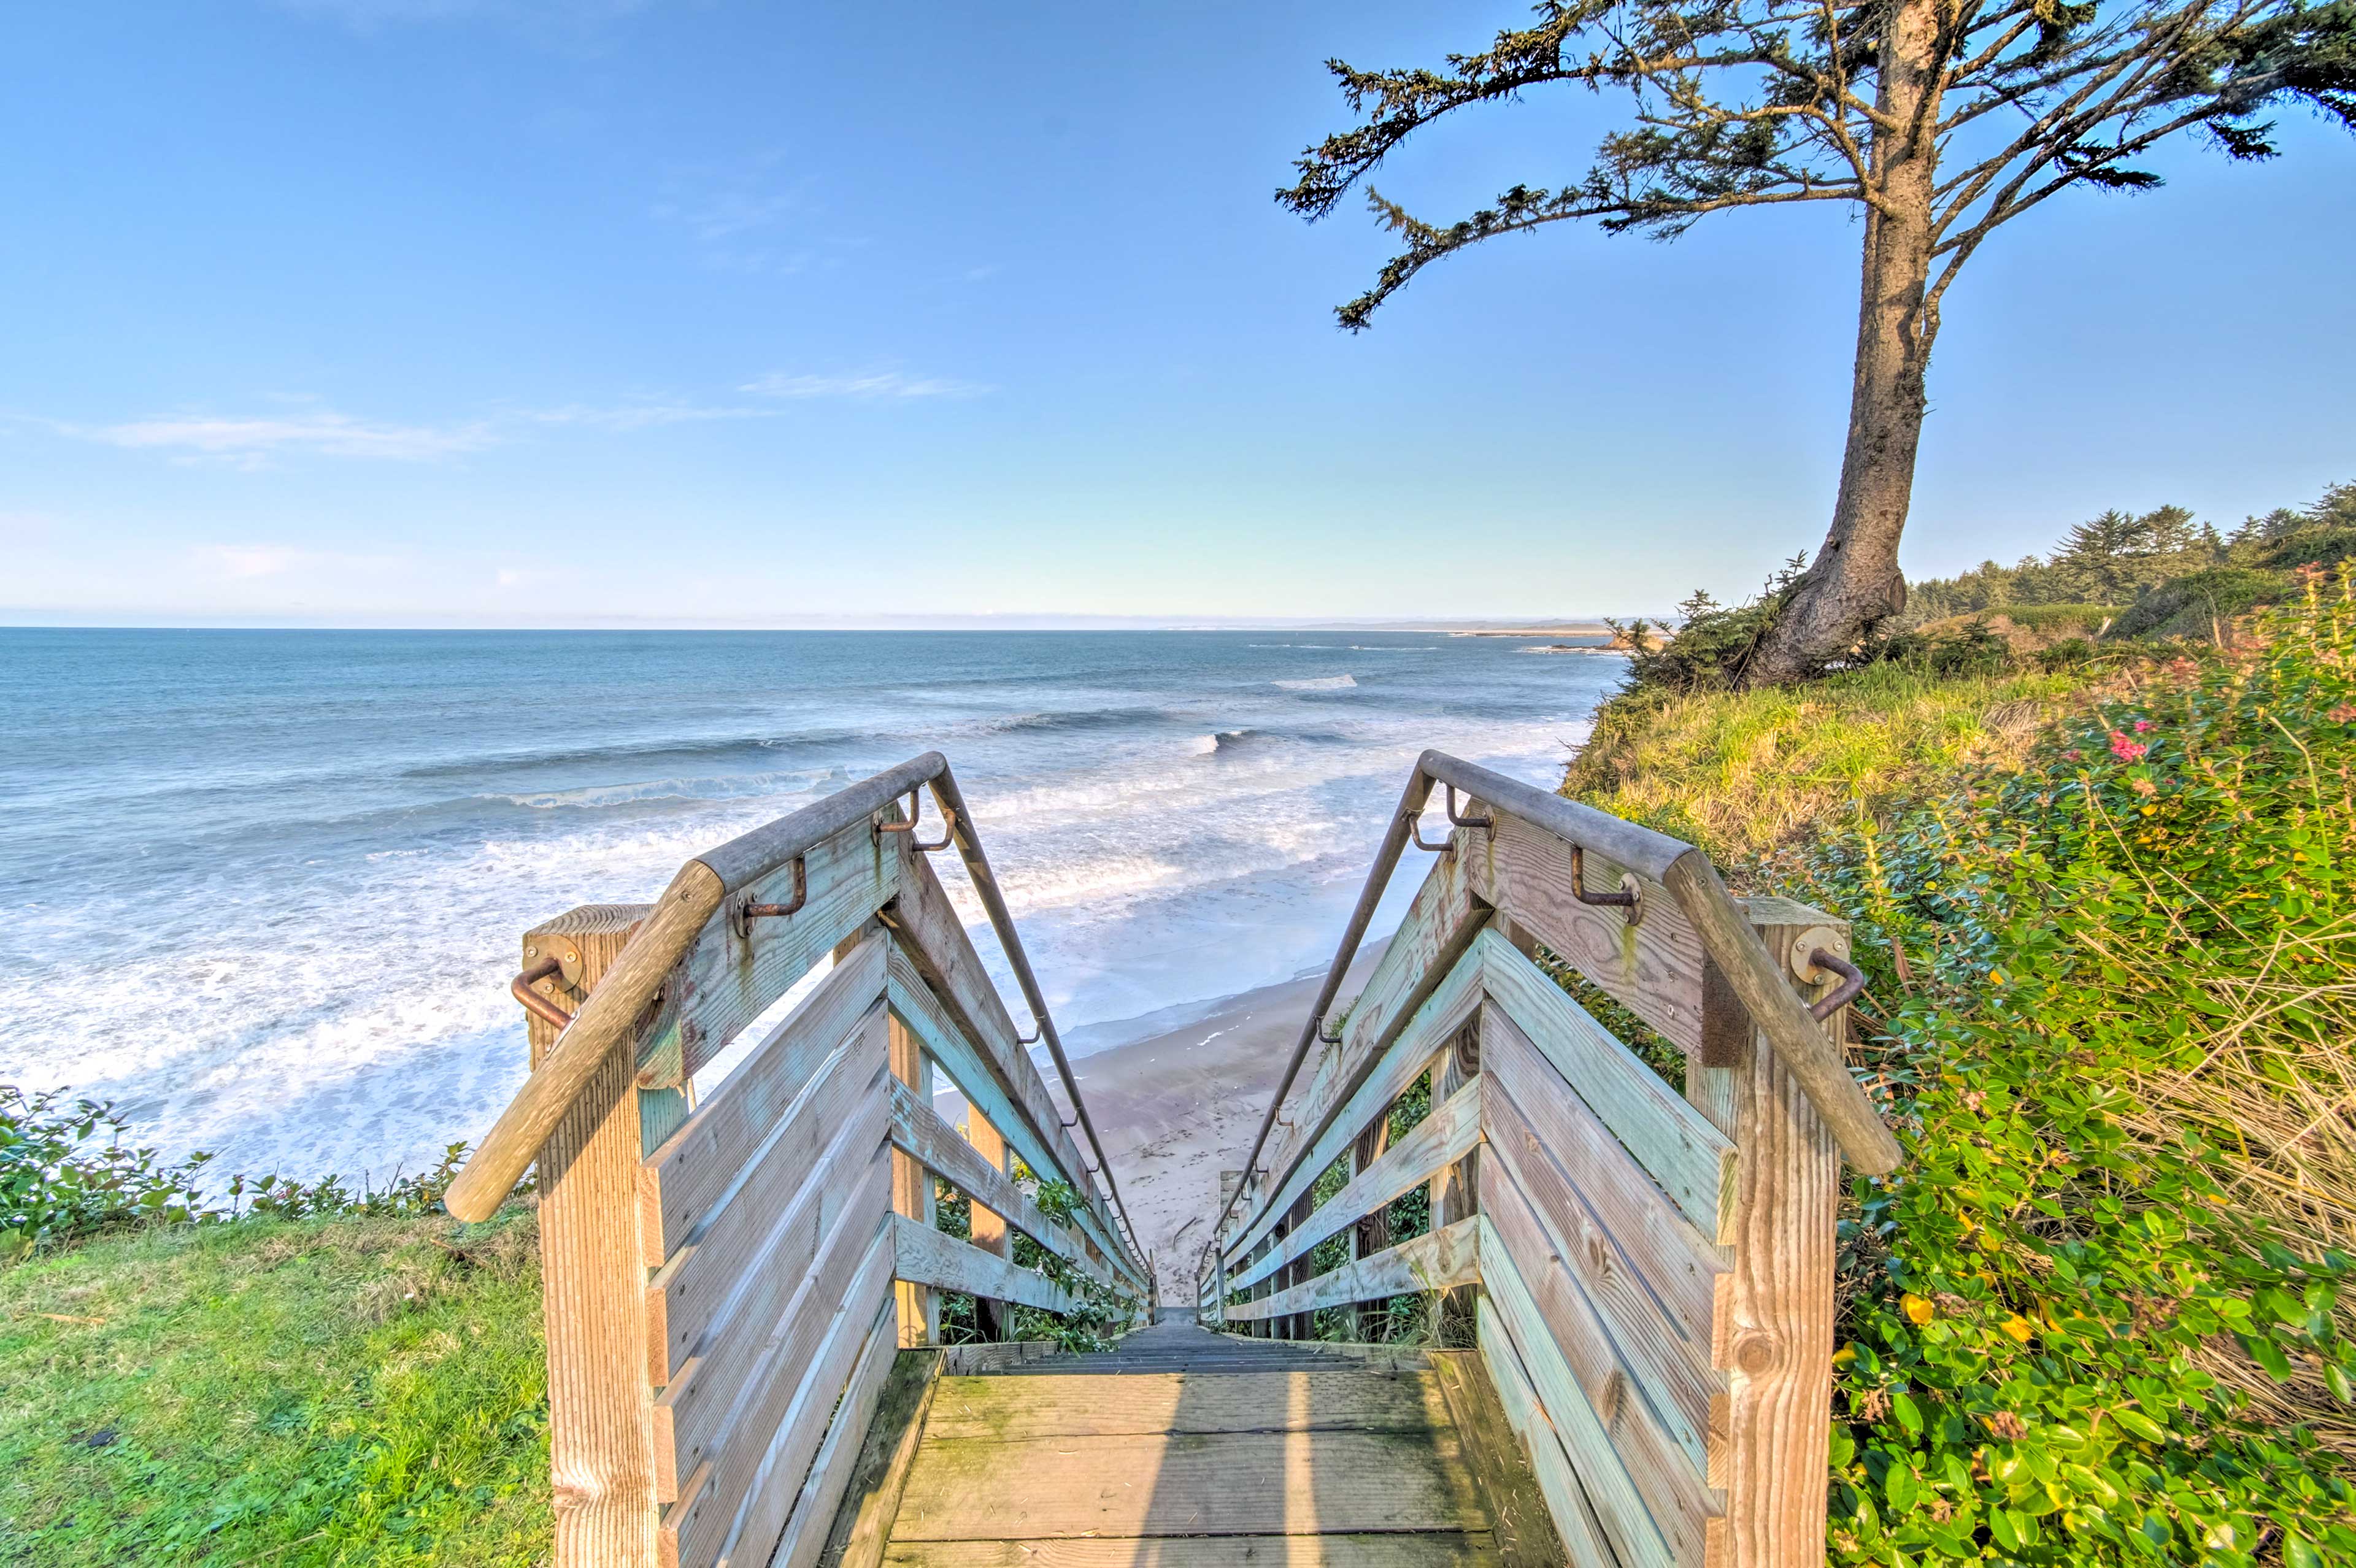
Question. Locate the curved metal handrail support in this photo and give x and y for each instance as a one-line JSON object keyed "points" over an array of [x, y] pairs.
{"points": [[1725, 932], [694, 897]]}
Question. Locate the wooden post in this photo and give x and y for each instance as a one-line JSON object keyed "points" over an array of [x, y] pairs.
{"points": [[1373, 1233], [1301, 1325], [1455, 1190], [1229, 1182], [912, 1194], [592, 1268], [1774, 1334], [989, 1232]]}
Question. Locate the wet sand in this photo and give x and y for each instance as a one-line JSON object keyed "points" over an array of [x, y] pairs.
{"points": [[1177, 1108]]}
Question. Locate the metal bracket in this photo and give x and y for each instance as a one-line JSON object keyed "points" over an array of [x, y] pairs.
{"points": [[916, 812], [1415, 836], [1631, 896], [1486, 824], [1324, 1038], [536, 1003], [1852, 980], [741, 918]]}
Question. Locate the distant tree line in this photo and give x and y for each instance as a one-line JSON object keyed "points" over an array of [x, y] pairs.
{"points": [[2116, 558]]}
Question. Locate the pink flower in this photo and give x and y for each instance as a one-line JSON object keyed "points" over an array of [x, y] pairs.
{"points": [[2127, 751], [2143, 726], [2341, 714], [2074, 755]]}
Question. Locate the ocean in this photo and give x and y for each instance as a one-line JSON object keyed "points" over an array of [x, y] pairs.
{"points": [[263, 889]]}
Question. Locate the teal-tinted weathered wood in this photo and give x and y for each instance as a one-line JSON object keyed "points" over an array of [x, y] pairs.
{"points": [[1445, 1011], [1691, 1160], [709, 1155], [1439, 1141], [920, 1011], [935, 941], [1437, 1260], [1421, 954], [1652, 1276], [919, 1131], [1667, 1456], [728, 977], [1574, 1521], [922, 1254], [1638, 1540]]}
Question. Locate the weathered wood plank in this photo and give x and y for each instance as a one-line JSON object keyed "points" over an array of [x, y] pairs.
{"points": [[1567, 1505], [694, 1297], [730, 1389], [862, 1521], [600, 1423], [924, 1255], [1667, 1456], [1439, 1141], [805, 1537], [693, 1170], [1648, 1273], [814, 1345], [936, 942], [1092, 1405], [1439, 926], [725, 979], [1638, 1539], [1437, 1260], [1652, 967], [1776, 1337], [1420, 1550], [1258, 1483], [1688, 1158], [915, 1004], [932, 1142], [1386, 1075], [1519, 1521], [912, 1193], [987, 1227]]}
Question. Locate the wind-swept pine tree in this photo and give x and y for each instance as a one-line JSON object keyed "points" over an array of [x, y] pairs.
{"points": [[1942, 119]]}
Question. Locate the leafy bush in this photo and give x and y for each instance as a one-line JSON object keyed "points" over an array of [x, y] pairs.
{"points": [[66, 1175], [2200, 605], [2104, 1314]]}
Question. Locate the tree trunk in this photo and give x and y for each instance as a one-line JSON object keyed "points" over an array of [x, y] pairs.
{"points": [[1854, 581]]}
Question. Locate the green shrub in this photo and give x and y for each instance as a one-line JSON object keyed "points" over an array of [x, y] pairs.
{"points": [[2200, 603], [2103, 1314], [66, 1173]]}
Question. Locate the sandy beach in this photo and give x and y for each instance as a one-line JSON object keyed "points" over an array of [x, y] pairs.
{"points": [[1178, 1106]]}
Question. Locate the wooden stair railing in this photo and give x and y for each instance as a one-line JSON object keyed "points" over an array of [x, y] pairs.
{"points": [[1648, 1274], [726, 1283]]}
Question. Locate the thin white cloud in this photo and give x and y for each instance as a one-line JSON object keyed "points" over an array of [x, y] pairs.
{"points": [[253, 440], [642, 416], [247, 562], [886, 384]]}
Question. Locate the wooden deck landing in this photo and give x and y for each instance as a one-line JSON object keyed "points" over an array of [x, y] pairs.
{"points": [[1184, 1448]]}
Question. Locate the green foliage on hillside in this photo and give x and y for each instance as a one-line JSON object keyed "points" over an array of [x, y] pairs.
{"points": [[299, 1392], [2103, 1315], [2123, 558]]}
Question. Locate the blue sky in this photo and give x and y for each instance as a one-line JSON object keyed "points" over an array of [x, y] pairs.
{"points": [[530, 311]]}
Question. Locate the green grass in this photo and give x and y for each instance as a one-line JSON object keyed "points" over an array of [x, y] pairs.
{"points": [[1742, 773], [289, 1392]]}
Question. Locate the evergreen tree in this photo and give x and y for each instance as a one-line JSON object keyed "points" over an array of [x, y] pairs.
{"points": [[1940, 120]]}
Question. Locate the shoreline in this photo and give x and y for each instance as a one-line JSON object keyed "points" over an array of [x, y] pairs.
{"points": [[1175, 1107]]}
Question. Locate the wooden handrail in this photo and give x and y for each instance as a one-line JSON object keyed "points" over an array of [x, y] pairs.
{"points": [[1725, 932], [696, 897], [1815, 1064]]}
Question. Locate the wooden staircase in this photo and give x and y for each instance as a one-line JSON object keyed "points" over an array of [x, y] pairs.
{"points": [[1183, 1447], [744, 1286]]}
